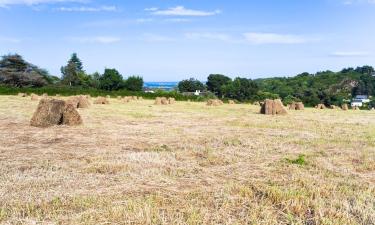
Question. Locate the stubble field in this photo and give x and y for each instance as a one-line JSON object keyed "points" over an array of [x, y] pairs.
{"points": [[187, 163]]}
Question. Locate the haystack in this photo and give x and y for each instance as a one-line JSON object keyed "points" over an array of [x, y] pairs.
{"points": [[101, 101], [356, 108], [23, 95], [214, 102], [119, 97], [140, 98], [231, 102], [345, 107], [171, 100], [51, 112], [108, 96], [135, 98], [296, 106], [164, 101], [273, 107], [333, 107], [320, 106], [126, 99], [45, 95], [256, 103], [157, 101], [80, 101], [34, 97]]}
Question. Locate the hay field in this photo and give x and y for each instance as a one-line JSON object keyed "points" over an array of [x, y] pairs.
{"points": [[187, 163]]}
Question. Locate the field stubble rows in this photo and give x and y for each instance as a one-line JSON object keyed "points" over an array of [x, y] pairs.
{"points": [[187, 163]]}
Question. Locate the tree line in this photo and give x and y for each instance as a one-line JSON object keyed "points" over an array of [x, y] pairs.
{"points": [[16, 72], [327, 87]]}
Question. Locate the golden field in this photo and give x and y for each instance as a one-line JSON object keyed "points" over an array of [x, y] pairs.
{"points": [[187, 163]]}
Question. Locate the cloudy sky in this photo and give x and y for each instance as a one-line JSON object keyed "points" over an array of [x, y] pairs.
{"points": [[169, 40]]}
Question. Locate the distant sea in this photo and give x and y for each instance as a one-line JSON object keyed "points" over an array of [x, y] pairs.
{"points": [[161, 85]]}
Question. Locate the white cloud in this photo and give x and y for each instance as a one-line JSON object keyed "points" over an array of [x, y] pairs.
{"points": [[9, 40], [7, 3], [208, 35], [182, 11], [88, 9], [156, 38], [274, 38], [96, 40], [349, 54], [351, 2]]}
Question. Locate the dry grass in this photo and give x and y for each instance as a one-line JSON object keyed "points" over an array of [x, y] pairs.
{"points": [[187, 163]]}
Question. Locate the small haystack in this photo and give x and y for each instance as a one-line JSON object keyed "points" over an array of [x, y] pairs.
{"points": [[108, 96], [273, 107], [333, 107], [80, 101], [135, 98], [231, 102], [320, 106], [140, 98], [161, 101], [164, 101], [356, 108], [101, 101], [119, 97], [51, 112], [214, 102], [171, 100], [23, 95], [34, 97], [345, 107], [45, 95], [256, 103], [126, 99], [296, 106]]}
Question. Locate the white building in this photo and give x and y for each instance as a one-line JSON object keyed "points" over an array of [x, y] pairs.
{"points": [[359, 100]]}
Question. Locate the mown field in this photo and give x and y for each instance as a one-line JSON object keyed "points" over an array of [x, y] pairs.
{"points": [[137, 163]]}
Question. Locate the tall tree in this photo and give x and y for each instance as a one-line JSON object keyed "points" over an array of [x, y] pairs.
{"points": [[111, 80], [134, 83], [15, 71], [215, 83], [190, 85], [73, 71]]}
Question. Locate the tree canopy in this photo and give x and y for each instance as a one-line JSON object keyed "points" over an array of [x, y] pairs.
{"points": [[190, 85], [15, 71]]}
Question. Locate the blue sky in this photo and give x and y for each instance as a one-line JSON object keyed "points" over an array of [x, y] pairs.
{"points": [[170, 40]]}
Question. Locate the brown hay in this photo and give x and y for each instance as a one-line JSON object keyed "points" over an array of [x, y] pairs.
{"points": [[256, 103], [320, 106], [73, 101], [23, 95], [101, 101], [333, 107], [231, 102], [273, 107], [34, 97], [171, 101], [45, 95], [345, 107], [51, 112], [164, 101], [71, 116], [214, 102], [157, 101], [296, 106]]}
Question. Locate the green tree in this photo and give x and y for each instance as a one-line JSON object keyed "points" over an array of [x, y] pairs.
{"points": [[70, 74], [73, 73], [15, 71], [111, 80], [241, 89], [134, 83], [215, 82], [190, 85]]}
